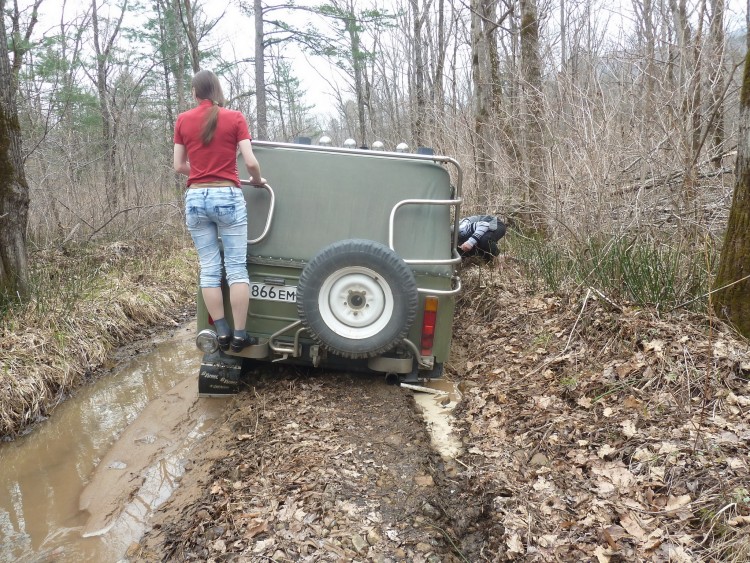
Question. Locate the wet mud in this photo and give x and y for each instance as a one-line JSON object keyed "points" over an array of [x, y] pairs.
{"points": [[314, 466], [81, 485]]}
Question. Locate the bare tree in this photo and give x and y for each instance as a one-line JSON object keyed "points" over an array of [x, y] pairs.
{"points": [[419, 107], [166, 49], [718, 78], [485, 83], [689, 83], [531, 73], [731, 300], [180, 51], [187, 16], [103, 48], [260, 71], [344, 11], [14, 189]]}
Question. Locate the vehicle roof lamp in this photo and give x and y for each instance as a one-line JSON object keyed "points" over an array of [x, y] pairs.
{"points": [[402, 147], [378, 146], [350, 144], [325, 141]]}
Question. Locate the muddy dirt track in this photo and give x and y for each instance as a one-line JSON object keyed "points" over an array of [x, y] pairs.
{"points": [[315, 467], [593, 431]]}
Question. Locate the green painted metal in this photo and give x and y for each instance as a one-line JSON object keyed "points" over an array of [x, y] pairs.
{"points": [[325, 196]]}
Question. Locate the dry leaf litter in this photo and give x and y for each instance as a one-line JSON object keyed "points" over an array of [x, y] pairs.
{"points": [[592, 431]]}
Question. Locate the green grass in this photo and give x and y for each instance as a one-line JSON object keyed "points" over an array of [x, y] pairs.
{"points": [[638, 269]]}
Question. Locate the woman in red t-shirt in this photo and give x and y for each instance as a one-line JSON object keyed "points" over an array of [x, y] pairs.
{"points": [[206, 139]]}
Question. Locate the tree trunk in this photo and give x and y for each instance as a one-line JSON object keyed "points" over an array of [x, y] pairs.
{"points": [[103, 49], [188, 21], [531, 78], [179, 68], [352, 30], [260, 73], [167, 57], [689, 84], [14, 191], [482, 84], [732, 298], [437, 91], [418, 95], [718, 79]]}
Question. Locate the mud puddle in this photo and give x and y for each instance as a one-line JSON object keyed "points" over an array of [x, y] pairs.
{"points": [[81, 486], [437, 399], [84, 485]]}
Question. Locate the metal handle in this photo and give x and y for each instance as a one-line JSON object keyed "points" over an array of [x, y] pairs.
{"points": [[270, 211], [455, 258]]}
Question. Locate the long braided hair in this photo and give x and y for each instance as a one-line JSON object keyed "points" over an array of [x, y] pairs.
{"points": [[207, 87]]}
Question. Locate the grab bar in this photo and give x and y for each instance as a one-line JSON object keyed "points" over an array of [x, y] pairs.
{"points": [[270, 211], [455, 258]]}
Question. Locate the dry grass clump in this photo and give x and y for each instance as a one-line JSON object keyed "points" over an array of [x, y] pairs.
{"points": [[84, 305], [604, 430]]}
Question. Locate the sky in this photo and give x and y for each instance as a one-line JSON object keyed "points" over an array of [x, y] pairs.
{"points": [[237, 33], [234, 33]]}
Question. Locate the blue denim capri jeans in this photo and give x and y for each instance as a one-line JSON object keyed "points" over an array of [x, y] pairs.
{"points": [[216, 212]]}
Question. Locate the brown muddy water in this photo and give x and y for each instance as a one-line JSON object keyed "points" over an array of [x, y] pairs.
{"points": [[82, 485]]}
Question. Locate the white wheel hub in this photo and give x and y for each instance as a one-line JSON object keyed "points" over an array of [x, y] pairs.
{"points": [[355, 302]]}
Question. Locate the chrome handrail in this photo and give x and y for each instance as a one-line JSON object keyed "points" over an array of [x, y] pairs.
{"points": [[294, 351], [270, 211], [455, 291], [454, 259]]}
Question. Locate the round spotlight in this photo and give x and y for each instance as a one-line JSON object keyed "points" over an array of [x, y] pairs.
{"points": [[402, 147], [378, 146], [350, 144], [325, 141], [206, 341]]}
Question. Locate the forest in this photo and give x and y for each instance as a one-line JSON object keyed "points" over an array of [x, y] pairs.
{"points": [[603, 356], [606, 134]]}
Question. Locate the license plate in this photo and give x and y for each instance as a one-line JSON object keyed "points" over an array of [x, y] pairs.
{"points": [[283, 293]]}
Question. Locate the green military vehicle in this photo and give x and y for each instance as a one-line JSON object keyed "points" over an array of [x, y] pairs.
{"points": [[352, 262]]}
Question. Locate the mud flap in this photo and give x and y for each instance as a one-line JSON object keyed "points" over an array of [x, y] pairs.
{"points": [[219, 375]]}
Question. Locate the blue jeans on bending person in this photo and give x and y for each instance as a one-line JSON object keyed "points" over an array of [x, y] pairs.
{"points": [[216, 212]]}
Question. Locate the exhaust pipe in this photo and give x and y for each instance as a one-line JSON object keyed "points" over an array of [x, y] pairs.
{"points": [[392, 379]]}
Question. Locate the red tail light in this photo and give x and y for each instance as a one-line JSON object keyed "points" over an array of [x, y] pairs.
{"points": [[210, 320], [429, 319]]}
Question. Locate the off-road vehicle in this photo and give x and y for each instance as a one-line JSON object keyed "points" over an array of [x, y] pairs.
{"points": [[352, 262]]}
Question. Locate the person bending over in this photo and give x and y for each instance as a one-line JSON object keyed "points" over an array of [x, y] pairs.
{"points": [[478, 235], [206, 139]]}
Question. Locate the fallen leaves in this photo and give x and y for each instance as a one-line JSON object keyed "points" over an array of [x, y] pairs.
{"points": [[607, 435], [638, 463]]}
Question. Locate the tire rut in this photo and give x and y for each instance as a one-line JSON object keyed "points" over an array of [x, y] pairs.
{"points": [[316, 467]]}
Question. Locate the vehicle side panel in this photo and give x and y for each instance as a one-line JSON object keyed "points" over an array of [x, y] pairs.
{"points": [[325, 197]]}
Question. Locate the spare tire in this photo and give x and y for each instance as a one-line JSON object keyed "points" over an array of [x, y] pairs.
{"points": [[357, 297]]}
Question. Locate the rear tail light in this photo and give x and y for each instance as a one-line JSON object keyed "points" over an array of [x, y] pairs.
{"points": [[429, 319], [210, 320]]}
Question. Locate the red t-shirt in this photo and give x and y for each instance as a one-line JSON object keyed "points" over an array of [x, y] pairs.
{"points": [[216, 161]]}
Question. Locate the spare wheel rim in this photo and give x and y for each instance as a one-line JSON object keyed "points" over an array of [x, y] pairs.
{"points": [[356, 302]]}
